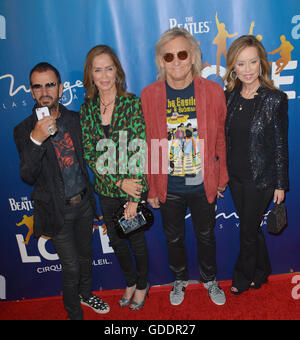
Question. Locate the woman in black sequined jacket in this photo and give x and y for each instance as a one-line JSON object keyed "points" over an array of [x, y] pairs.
{"points": [[257, 153], [268, 140]]}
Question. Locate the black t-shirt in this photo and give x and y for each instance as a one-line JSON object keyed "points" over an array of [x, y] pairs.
{"points": [[74, 180], [185, 174]]}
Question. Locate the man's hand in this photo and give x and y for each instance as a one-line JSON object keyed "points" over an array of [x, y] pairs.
{"points": [[219, 193], [40, 132], [154, 202]]}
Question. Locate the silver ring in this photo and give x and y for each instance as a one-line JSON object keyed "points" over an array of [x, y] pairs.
{"points": [[51, 130]]}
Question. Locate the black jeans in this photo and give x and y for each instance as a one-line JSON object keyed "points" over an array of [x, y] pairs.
{"points": [[73, 245], [133, 275], [253, 264], [173, 213]]}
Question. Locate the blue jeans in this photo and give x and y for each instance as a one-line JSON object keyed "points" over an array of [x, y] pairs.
{"points": [[173, 213], [73, 245]]}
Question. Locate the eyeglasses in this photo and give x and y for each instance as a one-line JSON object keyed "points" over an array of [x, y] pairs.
{"points": [[181, 55], [48, 86]]}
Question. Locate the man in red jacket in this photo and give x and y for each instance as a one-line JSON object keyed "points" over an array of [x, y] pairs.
{"points": [[185, 115]]}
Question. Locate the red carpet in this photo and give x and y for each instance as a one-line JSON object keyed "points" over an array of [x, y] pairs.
{"points": [[274, 301]]}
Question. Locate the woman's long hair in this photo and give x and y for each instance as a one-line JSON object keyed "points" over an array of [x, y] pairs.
{"points": [[91, 90], [230, 79]]}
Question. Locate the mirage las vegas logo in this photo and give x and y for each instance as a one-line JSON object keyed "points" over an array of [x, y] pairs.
{"points": [[12, 102], [70, 93]]}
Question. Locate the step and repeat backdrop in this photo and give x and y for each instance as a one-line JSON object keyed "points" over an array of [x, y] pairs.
{"points": [[62, 32]]}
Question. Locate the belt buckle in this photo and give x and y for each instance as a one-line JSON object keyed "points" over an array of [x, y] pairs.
{"points": [[74, 200], [77, 198]]}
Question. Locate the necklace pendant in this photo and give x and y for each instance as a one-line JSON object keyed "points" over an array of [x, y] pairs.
{"points": [[241, 107], [106, 105]]}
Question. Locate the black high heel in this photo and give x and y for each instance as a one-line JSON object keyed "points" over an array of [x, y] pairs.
{"points": [[239, 291], [135, 305], [255, 285]]}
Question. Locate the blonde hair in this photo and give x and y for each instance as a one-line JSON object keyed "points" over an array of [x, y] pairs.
{"points": [[173, 34], [235, 49], [90, 88]]}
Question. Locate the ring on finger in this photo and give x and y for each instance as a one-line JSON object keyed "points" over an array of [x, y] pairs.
{"points": [[51, 130]]}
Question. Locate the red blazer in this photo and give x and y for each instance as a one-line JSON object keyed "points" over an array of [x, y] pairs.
{"points": [[211, 112]]}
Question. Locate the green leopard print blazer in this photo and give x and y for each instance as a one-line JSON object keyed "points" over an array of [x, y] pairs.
{"points": [[121, 155]]}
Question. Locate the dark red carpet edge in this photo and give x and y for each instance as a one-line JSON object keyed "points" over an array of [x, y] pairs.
{"points": [[274, 301]]}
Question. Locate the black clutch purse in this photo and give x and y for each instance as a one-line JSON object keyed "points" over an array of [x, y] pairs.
{"points": [[276, 219], [143, 218]]}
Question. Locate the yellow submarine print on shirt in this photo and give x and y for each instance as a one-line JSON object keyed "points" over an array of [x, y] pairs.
{"points": [[177, 118]]}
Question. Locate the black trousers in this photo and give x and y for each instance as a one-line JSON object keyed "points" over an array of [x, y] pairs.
{"points": [[173, 213], [73, 245], [121, 245], [253, 263]]}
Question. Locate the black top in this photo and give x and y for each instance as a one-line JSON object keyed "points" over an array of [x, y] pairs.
{"points": [[239, 133], [106, 130]]}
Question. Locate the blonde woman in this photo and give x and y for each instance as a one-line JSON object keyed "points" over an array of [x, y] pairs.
{"points": [[257, 153]]}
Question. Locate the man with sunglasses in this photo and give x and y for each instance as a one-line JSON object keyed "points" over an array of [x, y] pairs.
{"points": [[51, 159], [189, 112]]}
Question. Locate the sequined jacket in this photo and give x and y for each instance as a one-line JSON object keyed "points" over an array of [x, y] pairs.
{"points": [[268, 139]]}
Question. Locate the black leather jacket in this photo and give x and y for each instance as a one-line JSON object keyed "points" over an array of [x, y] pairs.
{"points": [[268, 141]]}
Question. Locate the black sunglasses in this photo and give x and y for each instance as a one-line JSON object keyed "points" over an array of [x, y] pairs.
{"points": [[48, 86], [182, 55]]}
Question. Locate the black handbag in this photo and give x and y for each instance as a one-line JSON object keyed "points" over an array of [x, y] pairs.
{"points": [[276, 219], [144, 218]]}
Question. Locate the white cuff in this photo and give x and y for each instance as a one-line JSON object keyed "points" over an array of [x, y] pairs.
{"points": [[35, 141]]}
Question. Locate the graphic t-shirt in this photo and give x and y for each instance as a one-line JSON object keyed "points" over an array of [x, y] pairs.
{"points": [[72, 175], [185, 173]]}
